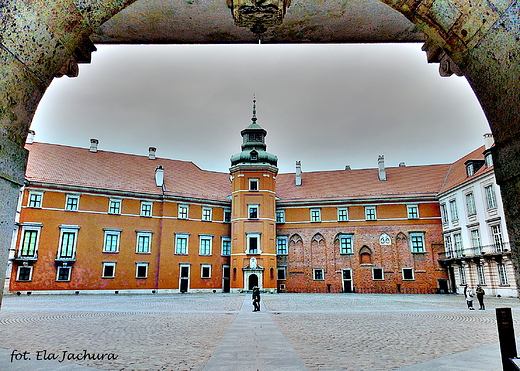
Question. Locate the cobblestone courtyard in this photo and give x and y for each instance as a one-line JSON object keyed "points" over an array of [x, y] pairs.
{"points": [[180, 332]]}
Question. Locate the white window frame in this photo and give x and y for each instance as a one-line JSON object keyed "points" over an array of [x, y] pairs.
{"points": [[146, 208], [208, 267], [111, 232], [481, 275], [227, 216], [412, 211], [37, 201], [114, 206], [143, 236], [205, 250], [370, 213], [502, 274], [29, 228], [249, 237], [318, 274], [476, 242], [413, 240], [282, 245], [207, 214], [183, 211], [457, 244], [408, 269], [70, 205], [462, 274], [254, 184], [283, 276], [315, 215], [448, 246], [346, 244], [342, 214], [374, 269], [225, 244], [69, 229], [454, 213], [444, 214], [179, 249], [280, 216], [253, 211], [140, 265], [491, 198], [109, 264], [470, 204], [31, 269], [67, 268]]}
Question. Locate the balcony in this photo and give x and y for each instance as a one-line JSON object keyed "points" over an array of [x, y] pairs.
{"points": [[62, 257], [480, 251], [21, 256]]}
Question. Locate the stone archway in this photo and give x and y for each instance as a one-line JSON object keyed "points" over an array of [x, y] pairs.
{"points": [[46, 39]]}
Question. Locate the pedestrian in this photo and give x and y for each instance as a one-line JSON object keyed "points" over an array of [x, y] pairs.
{"points": [[468, 293], [480, 296], [256, 299]]}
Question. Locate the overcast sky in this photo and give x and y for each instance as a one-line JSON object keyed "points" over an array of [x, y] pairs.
{"points": [[325, 105]]}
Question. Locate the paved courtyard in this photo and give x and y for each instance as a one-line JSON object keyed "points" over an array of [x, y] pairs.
{"points": [[183, 331]]}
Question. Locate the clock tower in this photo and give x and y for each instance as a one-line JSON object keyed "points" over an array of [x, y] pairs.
{"points": [[253, 212]]}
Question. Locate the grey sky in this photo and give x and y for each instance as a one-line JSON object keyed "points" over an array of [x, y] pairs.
{"points": [[326, 105]]}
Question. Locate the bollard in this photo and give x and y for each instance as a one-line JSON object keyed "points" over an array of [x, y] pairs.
{"points": [[506, 337]]}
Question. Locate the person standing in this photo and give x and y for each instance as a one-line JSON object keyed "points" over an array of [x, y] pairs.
{"points": [[256, 299], [468, 293], [480, 296]]}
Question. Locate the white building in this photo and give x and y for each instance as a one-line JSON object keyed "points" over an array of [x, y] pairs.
{"points": [[476, 243]]}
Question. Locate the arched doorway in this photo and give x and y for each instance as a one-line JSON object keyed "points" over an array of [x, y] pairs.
{"points": [[253, 281]]}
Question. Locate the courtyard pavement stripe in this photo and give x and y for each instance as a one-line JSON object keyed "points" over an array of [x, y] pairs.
{"points": [[254, 342], [38, 365]]}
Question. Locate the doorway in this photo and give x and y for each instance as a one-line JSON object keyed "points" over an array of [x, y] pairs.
{"points": [[347, 280], [184, 278], [225, 278], [253, 281]]}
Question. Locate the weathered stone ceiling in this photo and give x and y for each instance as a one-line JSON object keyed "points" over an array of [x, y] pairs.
{"points": [[210, 21]]}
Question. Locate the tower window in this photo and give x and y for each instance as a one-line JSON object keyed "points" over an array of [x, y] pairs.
{"points": [[253, 184]]}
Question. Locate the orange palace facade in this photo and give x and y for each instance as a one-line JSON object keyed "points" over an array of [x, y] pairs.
{"points": [[94, 221]]}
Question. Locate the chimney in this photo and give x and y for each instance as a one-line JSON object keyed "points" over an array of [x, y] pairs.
{"points": [[151, 153], [402, 164], [488, 140], [30, 137], [381, 165], [298, 180], [93, 145], [159, 176]]}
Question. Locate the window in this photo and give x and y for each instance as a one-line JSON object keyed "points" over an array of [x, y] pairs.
{"points": [[318, 274], [252, 211], [109, 270], [346, 243], [475, 241], [444, 214], [253, 184], [114, 206], [458, 244], [206, 214], [453, 211], [63, 273], [502, 274], [470, 204], [72, 203], [35, 199], [488, 159], [146, 208], [497, 237], [378, 274], [480, 274], [370, 212], [183, 212], [417, 242], [68, 237], [281, 274], [413, 211], [205, 271], [342, 214], [448, 247], [226, 246], [144, 241], [315, 215], [253, 243], [280, 216], [491, 200], [227, 216], [111, 240], [462, 274], [24, 273], [408, 274], [181, 244], [281, 245], [29, 243], [141, 270], [205, 245], [470, 169]]}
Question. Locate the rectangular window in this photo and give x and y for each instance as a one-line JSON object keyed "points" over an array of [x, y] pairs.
{"points": [[342, 214], [408, 274], [205, 245], [453, 210], [281, 245], [29, 243], [280, 216], [497, 237], [475, 241], [252, 211], [141, 270], [253, 243], [227, 216], [491, 200], [417, 242], [462, 274], [378, 274], [206, 214], [63, 273], [253, 184], [111, 240], [24, 273], [470, 204], [448, 247], [35, 199], [458, 244], [114, 206], [413, 211], [318, 274], [67, 244], [480, 274], [502, 274], [181, 244], [444, 214], [315, 215], [144, 241], [205, 271], [226, 246], [109, 270], [146, 208], [281, 274], [370, 212], [72, 203], [183, 212], [346, 243]]}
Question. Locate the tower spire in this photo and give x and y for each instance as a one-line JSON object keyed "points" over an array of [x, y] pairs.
{"points": [[254, 109]]}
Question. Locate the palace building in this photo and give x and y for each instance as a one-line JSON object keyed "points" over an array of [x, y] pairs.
{"points": [[93, 221]]}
